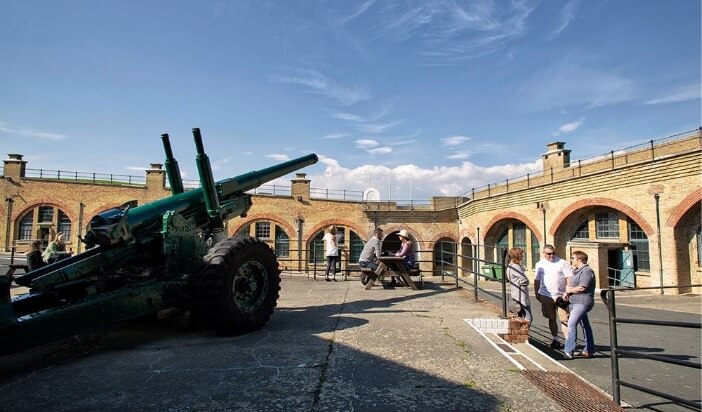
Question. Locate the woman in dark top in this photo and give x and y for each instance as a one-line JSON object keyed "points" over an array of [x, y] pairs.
{"points": [[34, 260]]}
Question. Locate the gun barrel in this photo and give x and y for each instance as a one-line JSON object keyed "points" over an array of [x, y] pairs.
{"points": [[256, 178], [172, 169]]}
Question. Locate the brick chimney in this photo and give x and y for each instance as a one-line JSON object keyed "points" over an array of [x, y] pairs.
{"points": [[155, 177], [15, 167], [300, 188], [556, 157]]}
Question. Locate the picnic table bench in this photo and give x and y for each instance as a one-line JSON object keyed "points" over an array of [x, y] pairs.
{"points": [[392, 267]]}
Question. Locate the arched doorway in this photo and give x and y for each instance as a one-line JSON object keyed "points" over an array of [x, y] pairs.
{"points": [[617, 246], [688, 248], [467, 264]]}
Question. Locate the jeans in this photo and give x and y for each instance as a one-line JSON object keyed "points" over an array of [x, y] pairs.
{"points": [[525, 313], [578, 315], [331, 265], [370, 265]]}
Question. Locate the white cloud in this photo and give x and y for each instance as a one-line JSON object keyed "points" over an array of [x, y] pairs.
{"points": [[36, 134], [279, 157], [366, 143], [380, 150], [567, 15], [684, 94], [409, 181], [570, 83], [454, 140], [378, 128], [218, 164], [569, 127], [347, 117], [461, 155], [316, 82], [336, 135], [446, 32]]}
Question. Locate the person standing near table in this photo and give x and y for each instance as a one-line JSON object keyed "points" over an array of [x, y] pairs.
{"points": [[581, 295], [406, 251], [552, 274], [519, 283], [331, 251]]}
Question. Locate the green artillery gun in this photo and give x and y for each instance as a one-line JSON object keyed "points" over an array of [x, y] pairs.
{"points": [[171, 253]]}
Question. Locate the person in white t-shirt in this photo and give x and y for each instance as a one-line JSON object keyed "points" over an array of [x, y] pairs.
{"points": [[552, 275], [331, 251]]}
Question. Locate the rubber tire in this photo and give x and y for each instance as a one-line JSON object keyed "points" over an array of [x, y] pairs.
{"points": [[250, 266]]}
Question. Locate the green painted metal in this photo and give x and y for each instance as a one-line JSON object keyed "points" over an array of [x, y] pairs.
{"points": [[138, 260]]}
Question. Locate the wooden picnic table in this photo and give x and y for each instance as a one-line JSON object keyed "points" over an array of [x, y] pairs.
{"points": [[391, 266]]}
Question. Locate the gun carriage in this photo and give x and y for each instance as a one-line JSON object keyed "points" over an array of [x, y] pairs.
{"points": [[173, 252]]}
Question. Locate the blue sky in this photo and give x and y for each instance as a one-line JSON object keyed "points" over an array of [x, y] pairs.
{"points": [[419, 98]]}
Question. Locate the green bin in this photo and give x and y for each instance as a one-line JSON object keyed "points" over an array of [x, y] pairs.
{"points": [[492, 272]]}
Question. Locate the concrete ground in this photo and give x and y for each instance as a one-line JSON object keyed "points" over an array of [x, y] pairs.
{"points": [[328, 347]]}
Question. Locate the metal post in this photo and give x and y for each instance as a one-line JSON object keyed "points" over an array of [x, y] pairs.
{"points": [[8, 222], [613, 343], [81, 211], [475, 273], [477, 251], [660, 247], [504, 283]]}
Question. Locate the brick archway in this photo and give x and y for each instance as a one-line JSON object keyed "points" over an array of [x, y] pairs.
{"points": [[328, 222], [268, 217], [683, 207], [600, 201], [516, 216]]}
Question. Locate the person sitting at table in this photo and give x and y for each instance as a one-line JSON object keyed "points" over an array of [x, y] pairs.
{"points": [[406, 251], [34, 260], [56, 250], [371, 251]]}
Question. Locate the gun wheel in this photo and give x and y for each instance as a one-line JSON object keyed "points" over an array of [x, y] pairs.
{"points": [[237, 290]]}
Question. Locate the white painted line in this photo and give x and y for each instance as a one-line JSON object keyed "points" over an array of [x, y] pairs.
{"points": [[538, 365], [494, 345]]}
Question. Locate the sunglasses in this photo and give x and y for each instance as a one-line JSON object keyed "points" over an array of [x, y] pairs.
{"points": [[549, 253]]}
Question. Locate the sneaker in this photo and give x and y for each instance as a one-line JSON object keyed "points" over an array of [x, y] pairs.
{"points": [[556, 345], [327, 279], [568, 355], [334, 279]]}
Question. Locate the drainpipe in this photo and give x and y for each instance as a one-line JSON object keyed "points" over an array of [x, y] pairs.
{"points": [[660, 247], [300, 221], [8, 223], [543, 209], [81, 211]]}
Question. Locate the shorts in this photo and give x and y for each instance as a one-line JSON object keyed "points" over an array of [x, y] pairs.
{"points": [[550, 310]]}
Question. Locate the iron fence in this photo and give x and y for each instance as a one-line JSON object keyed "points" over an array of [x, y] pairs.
{"points": [[609, 298], [612, 160]]}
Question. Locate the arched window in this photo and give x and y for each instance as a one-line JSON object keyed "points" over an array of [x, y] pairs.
{"points": [[317, 248], [64, 225], [282, 243], [25, 226], [355, 247], [535, 251], [607, 224], [639, 245], [444, 252], [582, 232]]}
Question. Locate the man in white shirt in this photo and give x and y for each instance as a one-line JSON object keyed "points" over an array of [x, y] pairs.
{"points": [[552, 275]]}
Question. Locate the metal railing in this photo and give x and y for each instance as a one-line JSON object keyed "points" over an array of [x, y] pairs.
{"points": [[478, 267], [617, 382], [612, 160]]}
